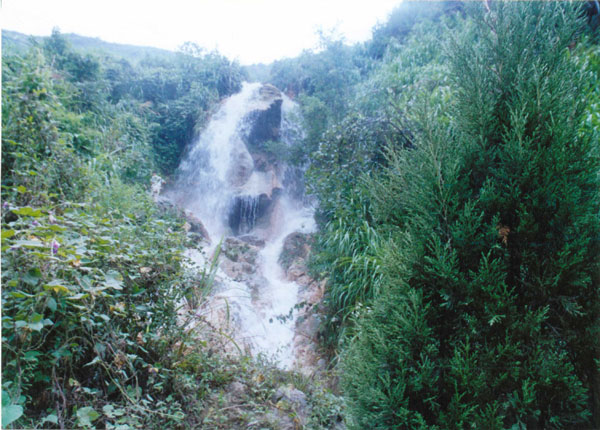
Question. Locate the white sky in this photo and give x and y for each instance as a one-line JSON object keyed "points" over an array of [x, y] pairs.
{"points": [[250, 31]]}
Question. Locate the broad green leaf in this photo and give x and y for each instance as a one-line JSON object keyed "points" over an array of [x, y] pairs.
{"points": [[51, 304], [21, 189], [7, 234], [94, 361], [35, 322], [78, 296], [29, 243], [31, 355], [86, 283], [32, 277], [56, 282], [28, 211], [51, 419], [114, 280], [20, 295], [10, 414], [86, 416], [57, 288], [110, 411]]}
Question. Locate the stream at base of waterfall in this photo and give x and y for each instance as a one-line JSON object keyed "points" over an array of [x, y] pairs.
{"points": [[247, 203]]}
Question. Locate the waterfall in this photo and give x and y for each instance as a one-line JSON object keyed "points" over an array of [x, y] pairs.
{"points": [[204, 176], [230, 181], [243, 214]]}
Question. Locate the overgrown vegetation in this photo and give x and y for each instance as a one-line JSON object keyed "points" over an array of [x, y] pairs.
{"points": [[458, 199], [95, 332], [455, 162]]}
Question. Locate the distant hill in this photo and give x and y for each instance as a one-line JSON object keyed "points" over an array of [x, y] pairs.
{"points": [[12, 40]]}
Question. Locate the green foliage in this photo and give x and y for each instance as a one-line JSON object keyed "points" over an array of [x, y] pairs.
{"points": [[88, 300], [346, 151], [175, 96], [95, 322], [323, 82], [348, 247], [401, 22], [36, 154], [488, 304], [92, 273], [590, 59]]}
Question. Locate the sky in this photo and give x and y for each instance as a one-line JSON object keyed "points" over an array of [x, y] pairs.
{"points": [[250, 31]]}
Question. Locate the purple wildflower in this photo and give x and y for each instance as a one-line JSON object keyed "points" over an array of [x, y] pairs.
{"points": [[5, 205], [55, 246], [35, 223]]}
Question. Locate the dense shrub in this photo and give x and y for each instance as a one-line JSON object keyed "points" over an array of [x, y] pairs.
{"points": [[92, 271], [489, 303]]}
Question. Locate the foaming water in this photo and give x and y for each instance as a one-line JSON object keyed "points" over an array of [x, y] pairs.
{"points": [[204, 174], [217, 179], [278, 295]]}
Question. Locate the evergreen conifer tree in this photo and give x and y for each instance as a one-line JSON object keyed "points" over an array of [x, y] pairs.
{"points": [[490, 314]]}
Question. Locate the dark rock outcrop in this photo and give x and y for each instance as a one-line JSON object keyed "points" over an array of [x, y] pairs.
{"points": [[254, 172], [245, 211], [265, 121]]}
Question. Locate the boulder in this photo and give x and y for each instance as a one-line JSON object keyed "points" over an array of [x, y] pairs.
{"points": [[239, 251], [253, 240], [245, 211], [194, 225], [269, 93], [296, 246], [262, 162], [298, 273], [236, 389], [289, 397], [265, 121]]}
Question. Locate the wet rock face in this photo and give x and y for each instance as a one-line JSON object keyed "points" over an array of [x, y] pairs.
{"points": [[255, 202], [265, 122], [194, 225], [240, 260], [242, 166], [293, 259], [246, 211], [239, 251], [253, 240], [296, 246], [290, 397]]}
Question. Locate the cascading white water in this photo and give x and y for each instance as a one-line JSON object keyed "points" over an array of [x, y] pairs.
{"points": [[205, 171], [219, 184]]}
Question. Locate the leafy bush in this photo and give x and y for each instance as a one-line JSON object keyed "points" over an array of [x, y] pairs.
{"points": [[86, 302], [92, 273], [486, 316]]}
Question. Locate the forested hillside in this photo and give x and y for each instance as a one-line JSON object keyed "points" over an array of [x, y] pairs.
{"points": [[454, 163], [21, 43]]}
